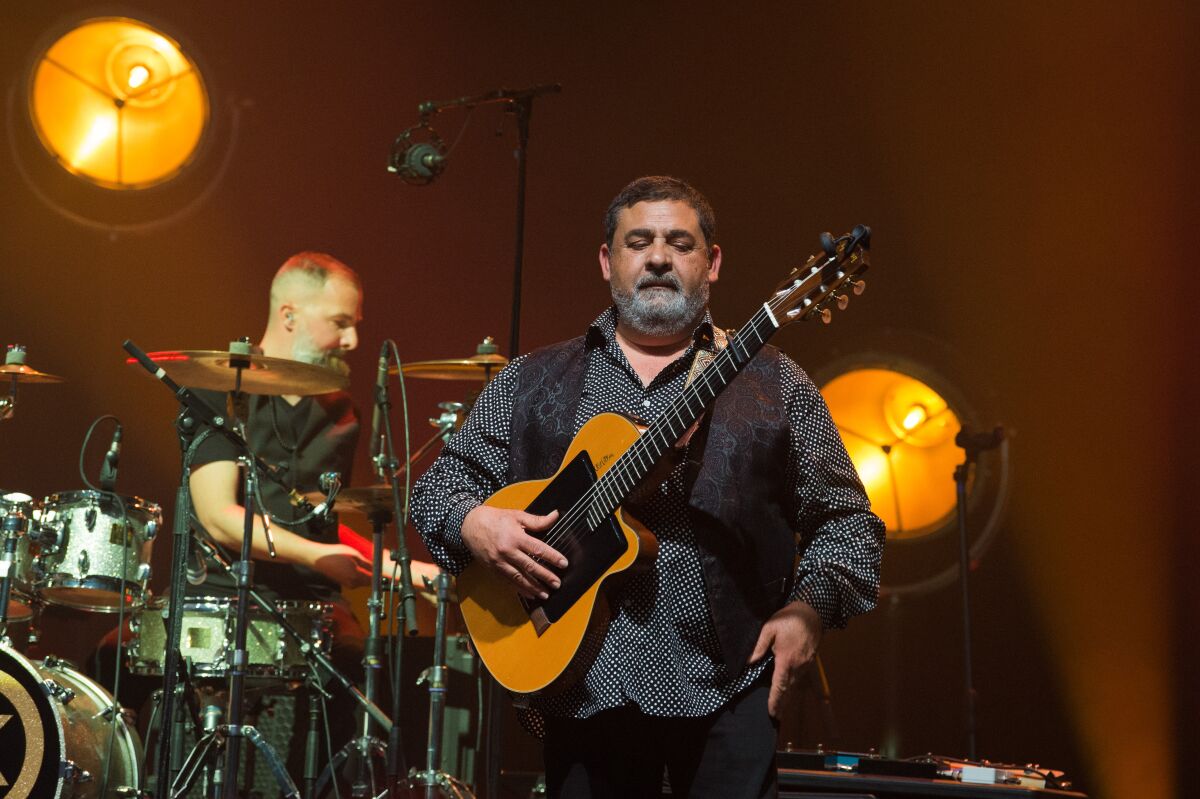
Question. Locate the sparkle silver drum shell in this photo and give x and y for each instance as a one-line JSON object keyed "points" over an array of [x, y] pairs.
{"points": [[81, 548], [208, 637], [54, 733]]}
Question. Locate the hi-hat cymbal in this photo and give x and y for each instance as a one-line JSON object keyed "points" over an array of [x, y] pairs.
{"points": [[362, 499], [26, 374], [482, 366], [211, 369]]}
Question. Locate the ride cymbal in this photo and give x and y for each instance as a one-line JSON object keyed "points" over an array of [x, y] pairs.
{"points": [[214, 370], [482, 366]]}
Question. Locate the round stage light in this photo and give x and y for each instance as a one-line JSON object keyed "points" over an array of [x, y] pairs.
{"points": [[899, 432], [118, 103]]}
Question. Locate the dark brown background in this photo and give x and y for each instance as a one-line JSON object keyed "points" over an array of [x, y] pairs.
{"points": [[1025, 167]]}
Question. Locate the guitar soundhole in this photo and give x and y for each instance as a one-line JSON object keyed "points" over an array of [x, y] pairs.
{"points": [[590, 552]]}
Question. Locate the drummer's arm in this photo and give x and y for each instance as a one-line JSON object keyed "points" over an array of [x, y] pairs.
{"points": [[214, 500], [421, 569]]}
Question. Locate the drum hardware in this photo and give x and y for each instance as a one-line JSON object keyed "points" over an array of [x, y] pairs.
{"points": [[17, 371], [12, 526], [89, 550], [434, 777], [245, 372], [238, 371], [56, 716], [480, 367]]}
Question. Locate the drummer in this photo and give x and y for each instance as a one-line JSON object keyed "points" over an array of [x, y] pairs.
{"points": [[315, 309]]}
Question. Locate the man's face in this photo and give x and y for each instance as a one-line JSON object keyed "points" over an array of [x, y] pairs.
{"points": [[658, 268], [326, 324]]}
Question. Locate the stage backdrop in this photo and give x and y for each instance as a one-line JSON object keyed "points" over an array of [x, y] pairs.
{"points": [[1022, 164]]}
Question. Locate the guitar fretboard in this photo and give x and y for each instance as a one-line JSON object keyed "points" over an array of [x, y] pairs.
{"points": [[629, 470]]}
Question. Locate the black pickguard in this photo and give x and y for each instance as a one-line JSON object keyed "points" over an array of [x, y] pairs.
{"points": [[589, 552]]}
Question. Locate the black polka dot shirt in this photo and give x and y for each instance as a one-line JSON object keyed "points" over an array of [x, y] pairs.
{"points": [[661, 652]]}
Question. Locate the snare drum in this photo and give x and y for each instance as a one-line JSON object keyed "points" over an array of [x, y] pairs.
{"points": [[54, 737], [208, 637], [82, 548]]}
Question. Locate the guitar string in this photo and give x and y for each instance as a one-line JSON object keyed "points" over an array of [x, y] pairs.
{"points": [[625, 469]]}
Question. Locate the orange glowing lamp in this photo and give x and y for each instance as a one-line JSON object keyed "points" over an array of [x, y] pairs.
{"points": [[118, 103], [899, 433]]}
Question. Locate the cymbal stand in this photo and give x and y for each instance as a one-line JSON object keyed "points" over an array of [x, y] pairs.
{"points": [[358, 752], [406, 608], [228, 736], [433, 777], [197, 410], [8, 405]]}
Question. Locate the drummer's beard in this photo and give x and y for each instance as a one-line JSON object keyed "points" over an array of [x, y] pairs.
{"points": [[305, 349]]}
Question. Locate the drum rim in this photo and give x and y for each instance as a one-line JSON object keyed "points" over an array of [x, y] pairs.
{"points": [[63, 581], [42, 701], [132, 501]]}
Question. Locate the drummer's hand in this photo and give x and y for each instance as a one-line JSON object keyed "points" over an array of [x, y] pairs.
{"points": [[343, 564], [497, 537]]}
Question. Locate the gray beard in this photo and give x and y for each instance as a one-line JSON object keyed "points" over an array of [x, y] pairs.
{"points": [[303, 350], [655, 312]]}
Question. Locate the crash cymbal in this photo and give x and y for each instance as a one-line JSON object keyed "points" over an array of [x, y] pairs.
{"points": [[363, 499], [25, 374], [211, 369], [482, 366]]}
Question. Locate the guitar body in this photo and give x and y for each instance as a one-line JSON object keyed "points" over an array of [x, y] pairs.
{"points": [[541, 647]]}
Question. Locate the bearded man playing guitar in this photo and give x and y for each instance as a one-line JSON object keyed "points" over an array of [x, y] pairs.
{"points": [[747, 538]]}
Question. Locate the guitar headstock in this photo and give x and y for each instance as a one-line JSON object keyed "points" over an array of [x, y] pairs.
{"points": [[825, 280]]}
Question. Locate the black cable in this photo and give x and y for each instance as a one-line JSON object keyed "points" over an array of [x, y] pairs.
{"points": [[115, 707]]}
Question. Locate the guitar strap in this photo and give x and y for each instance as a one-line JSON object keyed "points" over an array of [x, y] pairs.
{"points": [[700, 361]]}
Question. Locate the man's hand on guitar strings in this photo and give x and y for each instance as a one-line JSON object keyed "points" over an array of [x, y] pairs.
{"points": [[793, 634], [498, 537]]}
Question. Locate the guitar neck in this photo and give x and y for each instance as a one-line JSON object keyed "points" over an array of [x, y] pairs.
{"points": [[632, 467]]}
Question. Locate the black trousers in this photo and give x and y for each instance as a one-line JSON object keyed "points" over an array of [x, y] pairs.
{"points": [[623, 753]]}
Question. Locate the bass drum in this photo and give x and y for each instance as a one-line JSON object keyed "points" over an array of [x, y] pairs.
{"points": [[54, 734]]}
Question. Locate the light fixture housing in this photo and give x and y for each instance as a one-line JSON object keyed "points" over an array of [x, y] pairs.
{"points": [[118, 103], [899, 431]]}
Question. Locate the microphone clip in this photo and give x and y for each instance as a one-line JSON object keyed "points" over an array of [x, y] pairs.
{"points": [[418, 163]]}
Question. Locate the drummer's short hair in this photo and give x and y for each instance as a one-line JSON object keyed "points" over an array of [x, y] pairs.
{"points": [[316, 267]]}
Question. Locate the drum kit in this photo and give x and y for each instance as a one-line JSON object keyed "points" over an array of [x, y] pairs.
{"points": [[62, 734]]}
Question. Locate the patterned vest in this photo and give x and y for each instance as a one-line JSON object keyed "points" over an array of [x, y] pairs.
{"points": [[735, 481]]}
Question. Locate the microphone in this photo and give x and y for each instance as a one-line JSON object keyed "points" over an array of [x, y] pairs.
{"points": [[417, 163], [377, 431], [112, 458]]}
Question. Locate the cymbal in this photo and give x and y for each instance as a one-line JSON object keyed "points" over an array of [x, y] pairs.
{"points": [[25, 374], [211, 369], [482, 366], [362, 499]]}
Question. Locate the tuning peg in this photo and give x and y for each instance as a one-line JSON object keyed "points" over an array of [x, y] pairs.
{"points": [[843, 301], [858, 286], [826, 315]]}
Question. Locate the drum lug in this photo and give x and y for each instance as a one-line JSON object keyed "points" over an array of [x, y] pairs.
{"points": [[73, 773], [84, 563], [61, 693]]}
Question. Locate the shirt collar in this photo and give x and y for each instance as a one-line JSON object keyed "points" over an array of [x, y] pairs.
{"points": [[603, 330]]}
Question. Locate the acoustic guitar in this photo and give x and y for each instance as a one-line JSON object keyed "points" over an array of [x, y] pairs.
{"points": [[541, 647]]}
